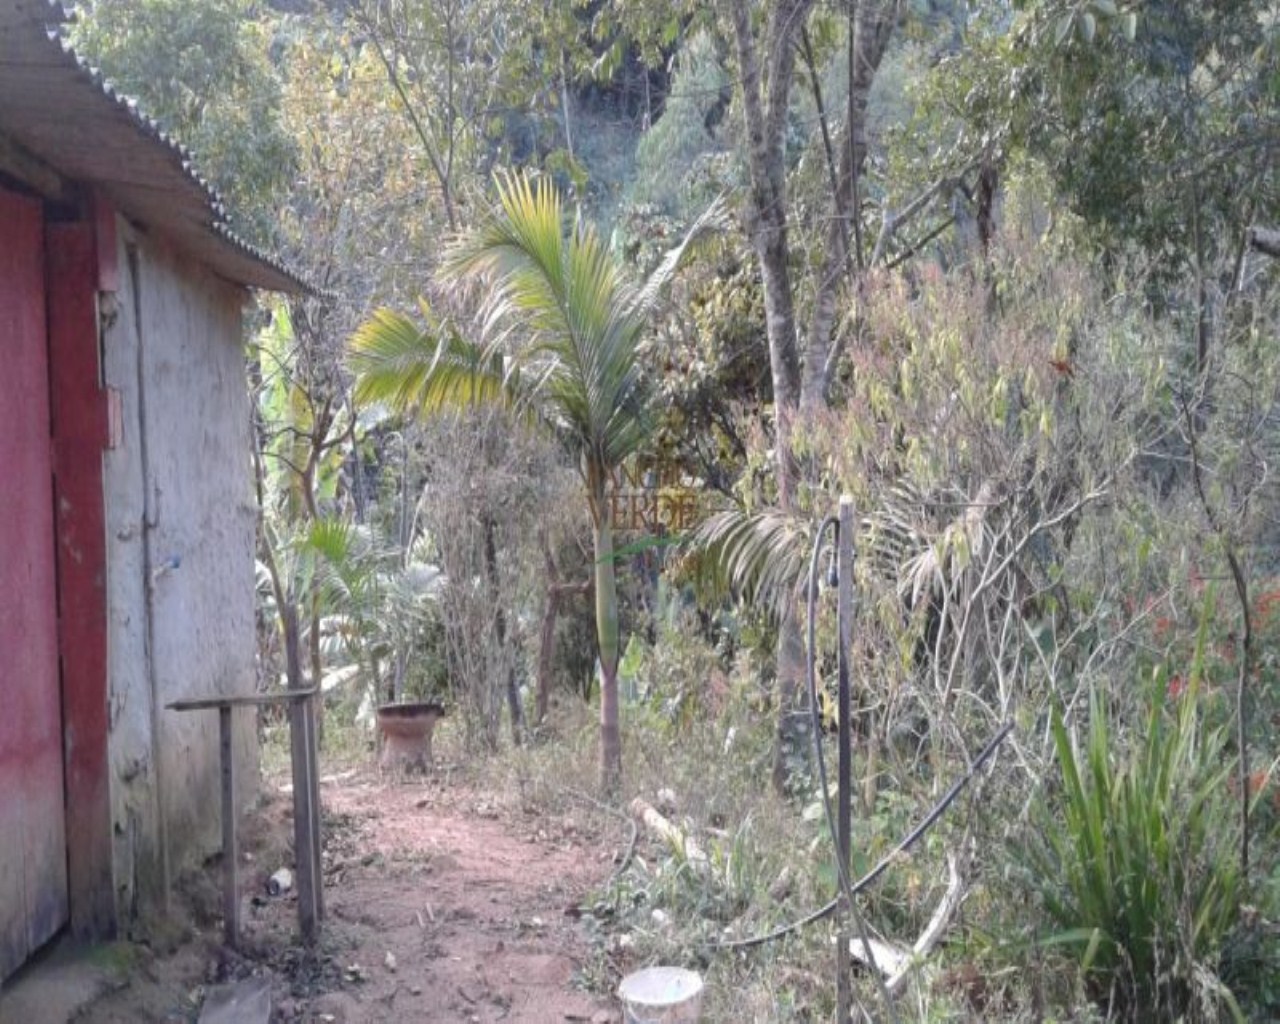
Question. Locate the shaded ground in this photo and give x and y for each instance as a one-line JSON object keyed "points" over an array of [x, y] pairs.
{"points": [[440, 907]]}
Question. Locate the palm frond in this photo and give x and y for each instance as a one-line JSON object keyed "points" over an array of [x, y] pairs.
{"points": [[560, 287], [425, 368], [923, 554], [759, 557], [332, 560], [714, 220]]}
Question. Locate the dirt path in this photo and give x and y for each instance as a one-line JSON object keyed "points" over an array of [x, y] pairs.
{"points": [[440, 907]]}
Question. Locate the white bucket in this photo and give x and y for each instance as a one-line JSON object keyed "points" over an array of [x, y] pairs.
{"points": [[661, 995]]}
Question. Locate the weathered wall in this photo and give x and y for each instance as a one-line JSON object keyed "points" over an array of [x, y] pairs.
{"points": [[180, 516]]}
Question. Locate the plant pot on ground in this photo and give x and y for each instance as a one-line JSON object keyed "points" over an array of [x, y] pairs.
{"points": [[406, 735]]}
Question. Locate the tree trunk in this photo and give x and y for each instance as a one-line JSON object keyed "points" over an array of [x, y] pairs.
{"points": [[767, 208], [607, 636], [764, 112], [871, 30], [791, 739], [500, 628], [564, 105], [546, 654]]}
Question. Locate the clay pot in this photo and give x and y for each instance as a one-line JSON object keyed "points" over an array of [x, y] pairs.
{"points": [[406, 735]]}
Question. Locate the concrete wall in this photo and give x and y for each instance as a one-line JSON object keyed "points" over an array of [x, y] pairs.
{"points": [[180, 514]]}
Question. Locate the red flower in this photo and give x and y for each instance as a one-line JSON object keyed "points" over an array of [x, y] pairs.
{"points": [[1177, 687]]}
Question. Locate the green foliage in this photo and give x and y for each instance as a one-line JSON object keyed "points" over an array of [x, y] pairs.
{"points": [[424, 369], [202, 70], [708, 367], [1152, 117], [684, 136], [577, 323], [581, 322], [356, 220], [682, 678], [760, 557], [380, 608], [1134, 856]]}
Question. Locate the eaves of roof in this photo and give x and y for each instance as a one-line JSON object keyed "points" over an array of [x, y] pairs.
{"points": [[64, 112]]}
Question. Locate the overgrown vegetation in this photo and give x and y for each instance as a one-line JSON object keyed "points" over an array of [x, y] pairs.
{"points": [[1002, 271], [1133, 861]]}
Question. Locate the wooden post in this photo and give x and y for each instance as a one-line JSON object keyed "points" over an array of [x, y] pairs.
{"points": [[230, 853], [304, 830], [306, 812], [313, 778], [844, 814], [79, 407]]}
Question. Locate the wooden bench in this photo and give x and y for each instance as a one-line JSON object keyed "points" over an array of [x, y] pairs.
{"points": [[306, 803]]}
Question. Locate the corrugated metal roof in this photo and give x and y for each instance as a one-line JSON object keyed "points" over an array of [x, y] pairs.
{"points": [[63, 111]]}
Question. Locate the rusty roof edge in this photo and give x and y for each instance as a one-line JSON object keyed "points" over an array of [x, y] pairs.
{"points": [[224, 231], [184, 159]]}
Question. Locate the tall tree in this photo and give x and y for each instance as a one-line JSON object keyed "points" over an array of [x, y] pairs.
{"points": [[577, 324], [766, 49], [1158, 122]]}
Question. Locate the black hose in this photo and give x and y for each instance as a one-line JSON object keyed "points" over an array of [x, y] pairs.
{"points": [[812, 683], [904, 844]]}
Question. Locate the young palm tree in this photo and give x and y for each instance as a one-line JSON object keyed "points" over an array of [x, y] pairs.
{"points": [[568, 326]]}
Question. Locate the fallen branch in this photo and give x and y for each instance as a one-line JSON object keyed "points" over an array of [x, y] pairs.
{"points": [[894, 961], [886, 957], [1266, 241], [937, 925], [653, 820]]}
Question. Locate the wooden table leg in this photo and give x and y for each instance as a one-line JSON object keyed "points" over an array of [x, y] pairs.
{"points": [[230, 854], [303, 829]]}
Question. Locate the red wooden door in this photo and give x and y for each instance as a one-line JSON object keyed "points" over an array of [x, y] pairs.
{"points": [[33, 860]]}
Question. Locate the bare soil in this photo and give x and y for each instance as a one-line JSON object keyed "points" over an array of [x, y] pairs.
{"points": [[441, 905]]}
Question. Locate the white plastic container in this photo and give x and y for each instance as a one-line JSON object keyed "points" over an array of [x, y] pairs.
{"points": [[280, 883], [661, 995]]}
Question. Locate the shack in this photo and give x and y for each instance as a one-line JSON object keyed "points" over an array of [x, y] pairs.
{"points": [[127, 513]]}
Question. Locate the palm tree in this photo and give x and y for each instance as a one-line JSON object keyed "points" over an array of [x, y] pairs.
{"points": [[568, 326]]}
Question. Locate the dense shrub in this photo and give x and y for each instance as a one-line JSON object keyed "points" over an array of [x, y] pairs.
{"points": [[1134, 856]]}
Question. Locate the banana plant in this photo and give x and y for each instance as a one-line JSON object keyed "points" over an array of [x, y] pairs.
{"points": [[560, 339]]}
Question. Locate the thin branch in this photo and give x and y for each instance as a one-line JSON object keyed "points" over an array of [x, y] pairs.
{"points": [[893, 221], [1246, 641], [915, 247], [394, 77], [842, 215]]}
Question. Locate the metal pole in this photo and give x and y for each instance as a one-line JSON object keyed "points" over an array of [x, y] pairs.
{"points": [[844, 770]]}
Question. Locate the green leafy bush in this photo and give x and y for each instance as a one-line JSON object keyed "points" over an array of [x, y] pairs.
{"points": [[1134, 857]]}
